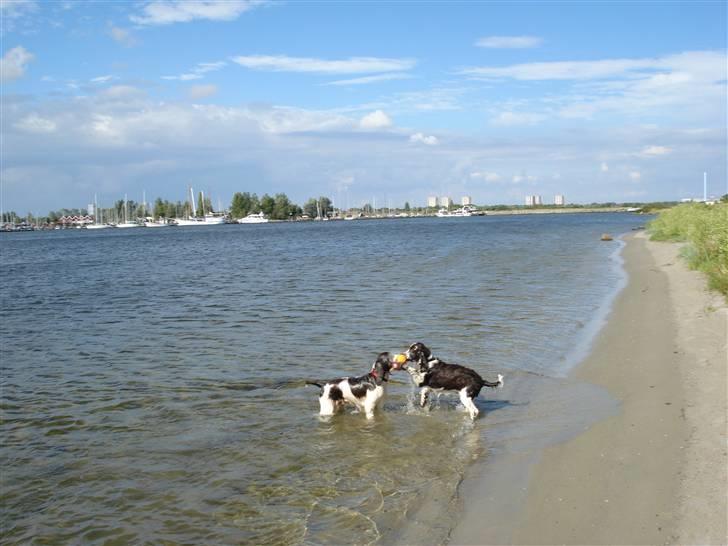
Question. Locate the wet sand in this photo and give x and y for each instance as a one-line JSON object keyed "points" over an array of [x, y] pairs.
{"points": [[654, 473]]}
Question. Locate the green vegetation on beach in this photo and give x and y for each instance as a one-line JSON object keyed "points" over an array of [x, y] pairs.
{"points": [[705, 229]]}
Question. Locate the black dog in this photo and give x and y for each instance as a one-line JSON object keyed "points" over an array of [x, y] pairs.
{"points": [[365, 392], [430, 373]]}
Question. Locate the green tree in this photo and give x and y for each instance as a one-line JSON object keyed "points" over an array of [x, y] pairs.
{"points": [[200, 205], [406, 206], [283, 209], [322, 204], [159, 210], [267, 205], [244, 204]]}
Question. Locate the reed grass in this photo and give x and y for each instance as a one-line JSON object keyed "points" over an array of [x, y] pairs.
{"points": [[705, 230]]}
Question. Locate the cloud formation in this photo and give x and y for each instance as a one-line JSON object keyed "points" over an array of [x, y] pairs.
{"points": [[123, 36], [165, 12], [420, 138], [364, 80], [509, 42], [375, 120], [198, 72], [202, 91], [352, 65], [654, 151], [13, 63]]}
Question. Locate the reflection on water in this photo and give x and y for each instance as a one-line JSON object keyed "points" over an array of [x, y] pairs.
{"points": [[153, 383]]}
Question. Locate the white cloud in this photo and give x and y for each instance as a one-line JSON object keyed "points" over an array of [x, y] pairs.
{"points": [[123, 36], [13, 63], [122, 93], [197, 73], [604, 167], [33, 123], [371, 79], [487, 176], [17, 8], [202, 91], [375, 120], [673, 68], [165, 12], [517, 118], [635, 176], [509, 42], [655, 151], [517, 178], [102, 79], [420, 138], [352, 65]]}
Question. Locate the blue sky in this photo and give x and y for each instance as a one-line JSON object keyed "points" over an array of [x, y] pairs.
{"points": [[613, 101]]}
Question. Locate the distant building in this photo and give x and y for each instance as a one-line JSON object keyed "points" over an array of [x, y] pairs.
{"points": [[559, 200], [533, 200], [445, 201], [432, 201], [466, 200], [90, 209]]}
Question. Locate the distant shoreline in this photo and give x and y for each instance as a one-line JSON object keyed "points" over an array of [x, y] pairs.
{"points": [[16, 228]]}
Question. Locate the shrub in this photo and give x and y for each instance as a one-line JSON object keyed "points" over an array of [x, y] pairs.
{"points": [[705, 229]]}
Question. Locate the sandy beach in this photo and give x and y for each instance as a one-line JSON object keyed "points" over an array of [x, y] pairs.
{"points": [[654, 473]]}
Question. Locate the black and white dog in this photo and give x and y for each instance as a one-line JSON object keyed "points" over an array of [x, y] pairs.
{"points": [[432, 374], [365, 392]]}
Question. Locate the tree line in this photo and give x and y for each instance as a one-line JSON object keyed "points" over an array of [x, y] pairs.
{"points": [[276, 207]]}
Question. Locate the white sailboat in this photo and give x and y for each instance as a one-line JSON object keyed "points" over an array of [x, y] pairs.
{"points": [[126, 223], [98, 222], [206, 220]]}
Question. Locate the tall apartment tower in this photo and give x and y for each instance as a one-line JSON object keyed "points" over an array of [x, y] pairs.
{"points": [[559, 200], [445, 201], [432, 201], [466, 200]]}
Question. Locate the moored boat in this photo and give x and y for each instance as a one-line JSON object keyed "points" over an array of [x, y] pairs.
{"points": [[254, 218]]}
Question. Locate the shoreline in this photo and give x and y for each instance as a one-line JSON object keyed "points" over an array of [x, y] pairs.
{"points": [[654, 472]]}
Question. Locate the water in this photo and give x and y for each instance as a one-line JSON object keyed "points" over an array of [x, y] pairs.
{"points": [[153, 380]]}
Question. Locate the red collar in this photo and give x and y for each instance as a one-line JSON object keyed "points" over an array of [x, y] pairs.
{"points": [[373, 373]]}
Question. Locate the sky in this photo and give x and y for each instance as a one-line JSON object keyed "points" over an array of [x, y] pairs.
{"points": [[361, 101]]}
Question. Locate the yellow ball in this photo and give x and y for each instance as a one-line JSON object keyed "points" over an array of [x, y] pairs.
{"points": [[400, 359]]}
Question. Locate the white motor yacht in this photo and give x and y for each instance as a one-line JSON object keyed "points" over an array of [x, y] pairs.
{"points": [[254, 218]]}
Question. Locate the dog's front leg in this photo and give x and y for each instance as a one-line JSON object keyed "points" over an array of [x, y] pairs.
{"points": [[424, 395]]}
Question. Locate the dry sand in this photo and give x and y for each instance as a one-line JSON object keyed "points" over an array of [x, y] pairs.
{"points": [[656, 472]]}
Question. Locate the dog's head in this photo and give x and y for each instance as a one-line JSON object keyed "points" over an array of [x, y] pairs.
{"points": [[419, 354], [381, 368]]}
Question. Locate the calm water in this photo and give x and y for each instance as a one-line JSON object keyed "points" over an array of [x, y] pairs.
{"points": [[153, 380]]}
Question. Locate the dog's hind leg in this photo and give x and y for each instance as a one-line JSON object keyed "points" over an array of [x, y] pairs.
{"points": [[328, 400], [326, 405], [468, 403]]}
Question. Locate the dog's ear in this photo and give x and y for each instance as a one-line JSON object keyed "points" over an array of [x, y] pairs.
{"points": [[425, 350], [382, 365]]}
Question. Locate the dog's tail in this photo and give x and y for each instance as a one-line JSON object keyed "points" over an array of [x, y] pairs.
{"points": [[315, 384], [495, 385]]}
